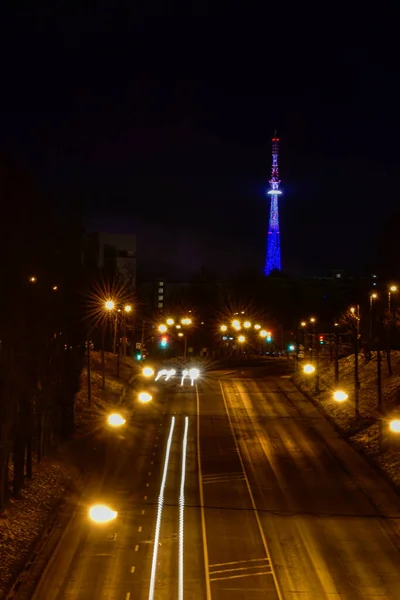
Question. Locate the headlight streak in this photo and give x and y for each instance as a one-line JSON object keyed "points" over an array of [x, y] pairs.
{"points": [[193, 374], [170, 373], [185, 373], [161, 373], [182, 512], [159, 513]]}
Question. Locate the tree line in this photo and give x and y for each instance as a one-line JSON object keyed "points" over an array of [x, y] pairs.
{"points": [[41, 327]]}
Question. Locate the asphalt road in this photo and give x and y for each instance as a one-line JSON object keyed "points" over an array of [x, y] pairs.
{"points": [[275, 505]]}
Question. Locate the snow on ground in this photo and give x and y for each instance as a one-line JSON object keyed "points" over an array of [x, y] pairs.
{"points": [[26, 516], [363, 433]]}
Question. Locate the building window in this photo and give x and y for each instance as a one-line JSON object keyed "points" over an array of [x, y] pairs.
{"points": [[160, 290], [338, 275], [160, 304], [160, 283], [161, 297]]}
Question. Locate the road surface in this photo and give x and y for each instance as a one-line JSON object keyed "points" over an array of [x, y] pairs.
{"points": [[272, 505]]}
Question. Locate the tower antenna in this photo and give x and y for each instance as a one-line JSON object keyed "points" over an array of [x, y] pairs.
{"points": [[273, 259]]}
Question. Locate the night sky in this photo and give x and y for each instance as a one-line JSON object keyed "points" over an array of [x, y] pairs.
{"points": [[163, 128]]}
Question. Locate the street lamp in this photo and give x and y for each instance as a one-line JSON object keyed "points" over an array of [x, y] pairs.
{"points": [[162, 328], [148, 372], [100, 513], [257, 326], [241, 339], [309, 369], [263, 333], [236, 324], [395, 425], [109, 305], [32, 279], [223, 328], [186, 321], [170, 321], [392, 290], [246, 324], [303, 324], [340, 396], [116, 420], [145, 397], [128, 308]]}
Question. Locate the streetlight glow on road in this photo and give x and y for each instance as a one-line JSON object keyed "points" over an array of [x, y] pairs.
{"points": [[340, 396], [308, 369], [395, 425], [148, 372], [145, 397], [116, 420], [100, 513]]}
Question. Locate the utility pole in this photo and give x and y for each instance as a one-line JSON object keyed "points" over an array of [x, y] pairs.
{"points": [[115, 333]]}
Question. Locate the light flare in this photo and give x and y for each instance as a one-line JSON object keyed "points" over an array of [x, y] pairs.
{"points": [[100, 513], [159, 513], [182, 512]]}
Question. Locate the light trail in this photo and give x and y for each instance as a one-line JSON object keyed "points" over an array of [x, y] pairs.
{"points": [[159, 513], [185, 373], [182, 512]]}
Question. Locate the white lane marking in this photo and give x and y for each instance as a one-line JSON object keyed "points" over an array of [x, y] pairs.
{"points": [[159, 513], [142, 512], [152, 462], [253, 503], [237, 562], [140, 528], [182, 512], [132, 569], [203, 520], [243, 575], [149, 472], [147, 484], [128, 595], [145, 497], [136, 547]]}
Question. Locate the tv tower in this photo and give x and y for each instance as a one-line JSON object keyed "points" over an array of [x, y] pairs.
{"points": [[273, 259]]}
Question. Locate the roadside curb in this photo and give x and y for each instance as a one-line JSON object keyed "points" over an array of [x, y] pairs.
{"points": [[342, 434]]}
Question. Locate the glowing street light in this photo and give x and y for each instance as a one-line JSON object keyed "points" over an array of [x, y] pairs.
{"points": [[162, 328], [100, 513], [32, 279], [145, 397], [340, 396], [180, 334], [128, 308], [257, 326], [312, 320], [303, 324], [395, 425], [241, 339], [223, 328], [186, 321], [236, 324], [170, 321], [55, 288], [308, 369], [109, 304], [148, 372], [116, 420], [246, 324], [393, 288], [263, 333]]}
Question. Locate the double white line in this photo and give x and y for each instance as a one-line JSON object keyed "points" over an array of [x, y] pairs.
{"points": [[181, 512]]}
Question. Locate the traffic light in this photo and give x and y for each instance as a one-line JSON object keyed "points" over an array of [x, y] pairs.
{"points": [[269, 336], [321, 339], [164, 342], [138, 356]]}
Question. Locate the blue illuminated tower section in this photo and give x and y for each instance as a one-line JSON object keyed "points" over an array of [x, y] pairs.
{"points": [[273, 260]]}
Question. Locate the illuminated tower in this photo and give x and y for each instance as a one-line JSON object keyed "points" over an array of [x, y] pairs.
{"points": [[273, 260]]}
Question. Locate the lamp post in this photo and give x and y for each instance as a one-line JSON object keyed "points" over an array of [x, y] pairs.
{"points": [[355, 311], [372, 297], [109, 306], [337, 342]]}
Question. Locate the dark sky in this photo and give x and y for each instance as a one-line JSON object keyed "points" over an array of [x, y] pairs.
{"points": [[163, 127]]}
